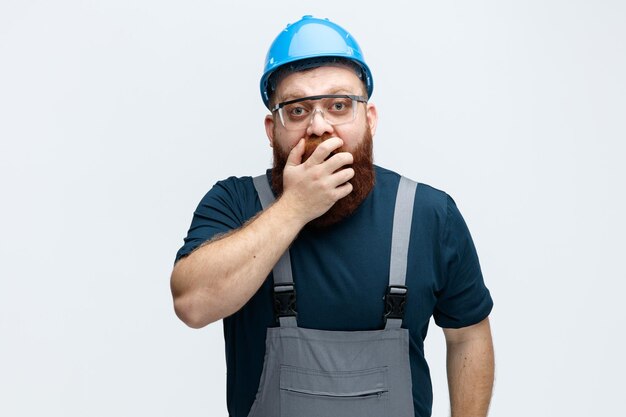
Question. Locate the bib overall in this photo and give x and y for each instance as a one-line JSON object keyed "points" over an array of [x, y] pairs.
{"points": [[319, 373]]}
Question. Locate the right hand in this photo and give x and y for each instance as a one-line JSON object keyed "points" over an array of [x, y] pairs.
{"points": [[312, 187]]}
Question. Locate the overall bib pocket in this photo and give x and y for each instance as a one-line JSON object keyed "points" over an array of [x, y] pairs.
{"points": [[314, 393]]}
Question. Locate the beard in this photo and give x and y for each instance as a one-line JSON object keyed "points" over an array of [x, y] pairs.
{"points": [[362, 182]]}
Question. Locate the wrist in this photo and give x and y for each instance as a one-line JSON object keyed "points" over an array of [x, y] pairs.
{"points": [[290, 212]]}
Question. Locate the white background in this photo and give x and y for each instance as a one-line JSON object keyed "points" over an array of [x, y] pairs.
{"points": [[117, 116]]}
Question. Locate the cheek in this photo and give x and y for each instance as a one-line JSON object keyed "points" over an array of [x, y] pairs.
{"points": [[351, 138], [284, 140]]}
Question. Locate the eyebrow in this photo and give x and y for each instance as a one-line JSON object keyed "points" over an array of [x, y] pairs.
{"points": [[299, 93]]}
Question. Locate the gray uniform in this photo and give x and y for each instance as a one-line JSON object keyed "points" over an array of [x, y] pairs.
{"points": [[319, 373]]}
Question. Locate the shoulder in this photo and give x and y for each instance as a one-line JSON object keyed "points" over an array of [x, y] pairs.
{"points": [[240, 185], [234, 195], [427, 197], [232, 188]]}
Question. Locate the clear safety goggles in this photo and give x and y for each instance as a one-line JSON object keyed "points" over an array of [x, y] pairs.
{"points": [[336, 109]]}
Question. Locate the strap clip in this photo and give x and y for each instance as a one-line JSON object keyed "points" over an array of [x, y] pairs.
{"points": [[395, 301], [285, 300]]}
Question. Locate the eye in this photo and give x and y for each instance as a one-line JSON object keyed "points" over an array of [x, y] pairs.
{"points": [[340, 106], [296, 111]]}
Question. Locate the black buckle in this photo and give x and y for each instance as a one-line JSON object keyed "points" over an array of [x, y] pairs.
{"points": [[395, 301], [284, 300]]}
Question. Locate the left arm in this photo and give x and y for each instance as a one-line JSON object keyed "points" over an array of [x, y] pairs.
{"points": [[470, 366]]}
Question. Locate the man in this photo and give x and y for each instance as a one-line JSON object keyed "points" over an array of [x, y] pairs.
{"points": [[326, 293]]}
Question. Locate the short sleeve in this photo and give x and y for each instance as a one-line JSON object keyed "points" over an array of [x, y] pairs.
{"points": [[221, 210], [463, 299]]}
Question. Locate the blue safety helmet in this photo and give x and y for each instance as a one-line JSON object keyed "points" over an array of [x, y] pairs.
{"points": [[309, 43]]}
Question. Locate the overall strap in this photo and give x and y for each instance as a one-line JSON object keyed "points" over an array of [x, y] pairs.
{"points": [[284, 290], [395, 298]]}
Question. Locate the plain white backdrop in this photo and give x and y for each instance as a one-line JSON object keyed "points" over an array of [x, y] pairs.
{"points": [[117, 116]]}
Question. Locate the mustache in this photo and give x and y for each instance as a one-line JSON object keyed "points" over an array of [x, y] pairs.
{"points": [[312, 142]]}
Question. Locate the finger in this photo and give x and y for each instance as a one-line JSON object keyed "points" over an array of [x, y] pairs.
{"points": [[324, 149], [295, 156], [343, 190], [337, 161], [341, 177]]}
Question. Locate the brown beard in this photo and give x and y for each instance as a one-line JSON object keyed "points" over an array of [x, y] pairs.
{"points": [[362, 182]]}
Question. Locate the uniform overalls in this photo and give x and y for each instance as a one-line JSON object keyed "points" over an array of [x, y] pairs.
{"points": [[320, 373]]}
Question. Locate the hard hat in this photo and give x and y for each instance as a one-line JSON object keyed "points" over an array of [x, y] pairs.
{"points": [[310, 38]]}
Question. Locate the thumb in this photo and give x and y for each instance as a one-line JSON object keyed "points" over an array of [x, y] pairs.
{"points": [[295, 156]]}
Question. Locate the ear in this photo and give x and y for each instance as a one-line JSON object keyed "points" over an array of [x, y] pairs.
{"points": [[372, 117], [269, 129]]}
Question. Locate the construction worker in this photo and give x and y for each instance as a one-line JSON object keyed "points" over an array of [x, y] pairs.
{"points": [[327, 269]]}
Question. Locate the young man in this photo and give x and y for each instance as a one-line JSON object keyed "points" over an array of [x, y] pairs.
{"points": [[326, 293]]}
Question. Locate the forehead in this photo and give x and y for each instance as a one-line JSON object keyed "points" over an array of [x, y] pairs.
{"points": [[320, 80]]}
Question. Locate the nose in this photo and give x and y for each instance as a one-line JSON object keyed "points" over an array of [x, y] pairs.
{"points": [[318, 125]]}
